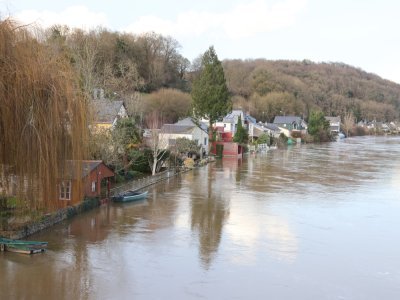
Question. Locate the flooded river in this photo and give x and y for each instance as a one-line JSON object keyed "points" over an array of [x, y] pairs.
{"points": [[309, 222]]}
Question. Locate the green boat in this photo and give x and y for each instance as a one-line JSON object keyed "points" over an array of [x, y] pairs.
{"points": [[19, 246], [130, 196]]}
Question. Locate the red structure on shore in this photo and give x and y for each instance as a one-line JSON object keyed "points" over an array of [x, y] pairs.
{"points": [[225, 140]]}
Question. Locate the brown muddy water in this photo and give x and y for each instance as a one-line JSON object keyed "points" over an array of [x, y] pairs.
{"points": [[309, 222]]}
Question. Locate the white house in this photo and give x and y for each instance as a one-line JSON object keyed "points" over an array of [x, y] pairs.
{"points": [[185, 128], [290, 124], [230, 121], [334, 123]]}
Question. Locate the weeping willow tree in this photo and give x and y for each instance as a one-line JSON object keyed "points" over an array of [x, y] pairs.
{"points": [[43, 121]]}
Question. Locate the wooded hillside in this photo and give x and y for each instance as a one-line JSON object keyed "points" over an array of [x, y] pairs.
{"points": [[125, 64], [119, 62], [268, 88]]}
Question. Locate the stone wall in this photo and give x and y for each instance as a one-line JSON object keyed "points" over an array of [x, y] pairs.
{"points": [[50, 219]]}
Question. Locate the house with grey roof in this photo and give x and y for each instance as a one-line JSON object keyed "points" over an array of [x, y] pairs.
{"points": [[107, 112], [230, 121], [257, 129], [185, 128], [190, 121], [334, 123], [250, 120], [290, 122]]}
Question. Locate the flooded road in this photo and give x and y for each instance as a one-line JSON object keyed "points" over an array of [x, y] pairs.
{"points": [[310, 222]]}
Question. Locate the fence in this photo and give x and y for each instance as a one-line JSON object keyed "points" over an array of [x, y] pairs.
{"points": [[144, 182]]}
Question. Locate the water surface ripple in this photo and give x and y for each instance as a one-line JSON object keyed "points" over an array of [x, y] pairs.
{"points": [[309, 222]]}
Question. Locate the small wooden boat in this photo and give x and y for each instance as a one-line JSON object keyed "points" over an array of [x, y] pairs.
{"points": [[19, 246], [130, 196]]}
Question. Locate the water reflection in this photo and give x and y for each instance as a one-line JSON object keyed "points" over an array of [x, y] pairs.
{"points": [[275, 222], [209, 211], [250, 235]]}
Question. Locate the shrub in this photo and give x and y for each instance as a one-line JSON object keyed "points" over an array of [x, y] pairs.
{"points": [[263, 139], [203, 162], [175, 160], [142, 162], [119, 178], [358, 131], [188, 163], [131, 175], [307, 138], [282, 141]]}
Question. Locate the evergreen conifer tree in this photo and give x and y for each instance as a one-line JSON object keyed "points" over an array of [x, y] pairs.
{"points": [[241, 135], [210, 92]]}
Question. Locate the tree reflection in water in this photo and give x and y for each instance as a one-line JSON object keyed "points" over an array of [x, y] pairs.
{"points": [[210, 204]]}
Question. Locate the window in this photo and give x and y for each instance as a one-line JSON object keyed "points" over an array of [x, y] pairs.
{"points": [[205, 141], [65, 190], [94, 185]]}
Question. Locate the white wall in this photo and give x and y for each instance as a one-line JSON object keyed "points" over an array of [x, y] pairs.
{"points": [[196, 134], [228, 127]]}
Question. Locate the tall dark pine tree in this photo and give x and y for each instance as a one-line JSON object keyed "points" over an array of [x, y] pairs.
{"points": [[210, 92], [241, 135]]}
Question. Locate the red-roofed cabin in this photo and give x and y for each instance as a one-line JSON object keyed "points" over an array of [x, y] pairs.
{"points": [[91, 179]]}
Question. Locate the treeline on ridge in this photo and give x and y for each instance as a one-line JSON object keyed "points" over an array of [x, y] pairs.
{"points": [[268, 88], [121, 62], [150, 64]]}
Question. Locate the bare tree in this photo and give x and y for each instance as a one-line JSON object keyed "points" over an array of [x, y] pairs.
{"points": [[173, 103], [156, 141], [135, 107], [348, 122], [84, 52]]}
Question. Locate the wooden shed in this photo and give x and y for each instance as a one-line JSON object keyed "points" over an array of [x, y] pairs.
{"points": [[91, 178]]}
